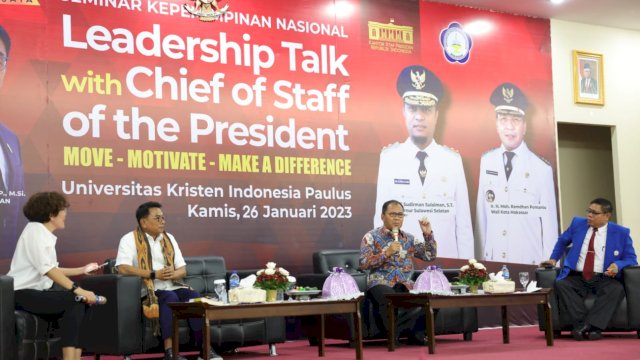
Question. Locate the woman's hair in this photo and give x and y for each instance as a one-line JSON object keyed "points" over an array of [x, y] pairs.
{"points": [[42, 206]]}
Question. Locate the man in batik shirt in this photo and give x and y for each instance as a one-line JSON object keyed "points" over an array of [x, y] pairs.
{"points": [[387, 253]]}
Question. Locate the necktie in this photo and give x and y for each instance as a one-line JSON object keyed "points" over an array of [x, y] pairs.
{"points": [[422, 169], [509, 166], [587, 270]]}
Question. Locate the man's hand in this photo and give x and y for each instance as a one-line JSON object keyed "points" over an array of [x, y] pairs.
{"points": [[612, 270], [425, 225], [548, 263], [165, 273], [393, 248]]}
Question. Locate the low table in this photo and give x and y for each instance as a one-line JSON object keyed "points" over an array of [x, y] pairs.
{"points": [[431, 301], [282, 308]]}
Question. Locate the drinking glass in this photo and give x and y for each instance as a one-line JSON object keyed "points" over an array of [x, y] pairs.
{"points": [[524, 279]]}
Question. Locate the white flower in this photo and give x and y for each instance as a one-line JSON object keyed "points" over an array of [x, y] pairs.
{"points": [[259, 272], [271, 265], [479, 266], [464, 268], [284, 272], [269, 271], [472, 261], [291, 279]]}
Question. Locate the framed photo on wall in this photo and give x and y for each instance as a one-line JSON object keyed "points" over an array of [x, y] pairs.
{"points": [[588, 78]]}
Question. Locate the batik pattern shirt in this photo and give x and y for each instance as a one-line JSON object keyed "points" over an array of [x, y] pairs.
{"points": [[395, 269]]}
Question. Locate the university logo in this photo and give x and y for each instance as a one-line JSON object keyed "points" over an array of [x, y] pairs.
{"points": [[206, 10], [390, 37], [456, 43]]}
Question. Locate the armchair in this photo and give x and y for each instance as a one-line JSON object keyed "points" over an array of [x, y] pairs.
{"points": [[123, 330], [25, 336], [447, 321], [626, 317]]}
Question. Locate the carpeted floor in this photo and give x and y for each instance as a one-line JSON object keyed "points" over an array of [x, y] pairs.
{"points": [[527, 343]]}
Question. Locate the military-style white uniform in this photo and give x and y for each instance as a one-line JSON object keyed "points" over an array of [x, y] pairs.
{"points": [[516, 219], [443, 198]]}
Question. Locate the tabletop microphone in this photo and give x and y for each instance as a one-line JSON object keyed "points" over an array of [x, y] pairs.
{"points": [[100, 300], [394, 233]]}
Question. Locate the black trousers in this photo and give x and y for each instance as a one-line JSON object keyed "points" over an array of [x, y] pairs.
{"points": [[55, 303], [572, 291], [411, 321]]}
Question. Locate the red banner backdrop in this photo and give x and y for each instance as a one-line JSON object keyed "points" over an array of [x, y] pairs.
{"points": [[260, 132]]}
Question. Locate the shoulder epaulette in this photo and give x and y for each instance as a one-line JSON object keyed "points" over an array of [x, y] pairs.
{"points": [[544, 160], [390, 146], [488, 151], [450, 149]]}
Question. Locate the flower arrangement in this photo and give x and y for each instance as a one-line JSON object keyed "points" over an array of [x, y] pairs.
{"points": [[473, 274], [272, 278]]}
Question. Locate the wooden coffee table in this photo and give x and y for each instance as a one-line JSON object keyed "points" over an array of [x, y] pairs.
{"points": [[430, 302], [283, 308]]}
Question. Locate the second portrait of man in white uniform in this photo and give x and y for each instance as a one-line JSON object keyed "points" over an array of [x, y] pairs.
{"points": [[516, 217]]}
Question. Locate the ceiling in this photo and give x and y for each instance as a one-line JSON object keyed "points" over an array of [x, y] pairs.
{"points": [[624, 14]]}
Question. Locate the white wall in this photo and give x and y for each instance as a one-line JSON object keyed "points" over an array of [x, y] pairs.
{"points": [[621, 54], [579, 147]]}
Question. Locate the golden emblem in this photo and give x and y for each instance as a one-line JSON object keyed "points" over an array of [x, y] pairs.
{"points": [[206, 10], [418, 81], [507, 94]]}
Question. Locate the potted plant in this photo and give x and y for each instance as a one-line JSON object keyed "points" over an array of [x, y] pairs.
{"points": [[272, 279], [473, 274]]}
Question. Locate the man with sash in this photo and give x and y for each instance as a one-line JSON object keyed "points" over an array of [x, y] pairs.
{"points": [[153, 254]]}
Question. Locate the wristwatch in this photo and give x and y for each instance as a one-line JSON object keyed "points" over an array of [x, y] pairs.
{"points": [[152, 275], [74, 286]]}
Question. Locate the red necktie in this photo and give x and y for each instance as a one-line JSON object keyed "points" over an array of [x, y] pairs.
{"points": [[587, 270]]}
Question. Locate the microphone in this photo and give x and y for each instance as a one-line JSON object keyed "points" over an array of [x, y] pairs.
{"points": [[100, 300], [394, 233]]}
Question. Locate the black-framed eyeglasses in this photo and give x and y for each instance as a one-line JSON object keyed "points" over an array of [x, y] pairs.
{"points": [[396, 215], [593, 212]]}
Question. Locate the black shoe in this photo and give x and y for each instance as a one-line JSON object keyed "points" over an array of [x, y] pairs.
{"points": [[212, 356], [168, 355], [579, 331], [594, 334]]}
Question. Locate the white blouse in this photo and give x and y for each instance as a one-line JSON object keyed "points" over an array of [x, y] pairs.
{"points": [[35, 256]]}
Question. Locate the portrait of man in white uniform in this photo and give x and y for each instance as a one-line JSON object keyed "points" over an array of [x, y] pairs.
{"points": [[516, 214], [428, 178]]}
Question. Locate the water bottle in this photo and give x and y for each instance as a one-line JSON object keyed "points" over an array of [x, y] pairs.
{"points": [[505, 272], [234, 280], [220, 287]]}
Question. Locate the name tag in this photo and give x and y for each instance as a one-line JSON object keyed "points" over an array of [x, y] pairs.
{"points": [[491, 172], [401, 181]]}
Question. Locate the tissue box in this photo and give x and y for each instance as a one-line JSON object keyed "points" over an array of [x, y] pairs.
{"points": [[247, 295], [497, 287]]}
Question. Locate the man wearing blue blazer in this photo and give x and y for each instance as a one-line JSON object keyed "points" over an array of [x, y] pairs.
{"points": [[11, 173], [596, 252]]}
